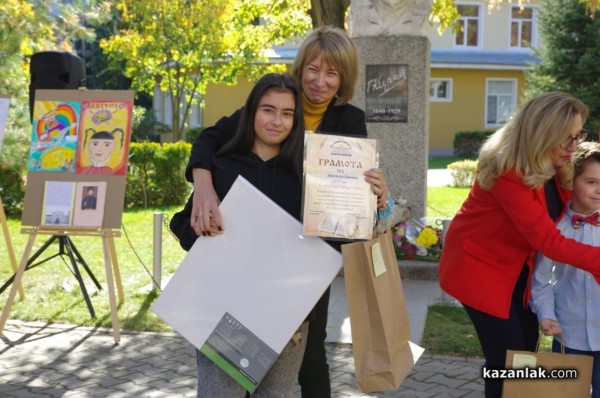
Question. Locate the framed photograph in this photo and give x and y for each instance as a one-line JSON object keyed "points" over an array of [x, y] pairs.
{"points": [[386, 97]]}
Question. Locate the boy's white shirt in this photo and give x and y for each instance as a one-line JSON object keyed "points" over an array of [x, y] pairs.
{"points": [[575, 300]]}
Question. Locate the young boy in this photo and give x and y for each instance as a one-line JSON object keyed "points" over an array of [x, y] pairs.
{"points": [[567, 299]]}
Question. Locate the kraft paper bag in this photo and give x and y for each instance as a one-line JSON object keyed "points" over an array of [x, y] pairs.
{"points": [[547, 388], [379, 321]]}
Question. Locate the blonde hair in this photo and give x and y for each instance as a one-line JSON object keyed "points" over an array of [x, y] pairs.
{"points": [[525, 143], [336, 49]]}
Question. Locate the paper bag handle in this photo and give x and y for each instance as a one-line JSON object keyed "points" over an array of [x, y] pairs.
{"points": [[562, 342]]}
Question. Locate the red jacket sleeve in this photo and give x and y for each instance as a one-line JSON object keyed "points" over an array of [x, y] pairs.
{"points": [[538, 230]]}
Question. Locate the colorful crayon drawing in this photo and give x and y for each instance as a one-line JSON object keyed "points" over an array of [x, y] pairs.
{"points": [[54, 136], [104, 137]]}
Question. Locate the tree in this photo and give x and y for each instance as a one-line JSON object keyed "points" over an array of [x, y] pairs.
{"points": [[570, 60], [26, 28], [444, 14], [329, 12], [100, 73], [333, 13], [183, 45]]}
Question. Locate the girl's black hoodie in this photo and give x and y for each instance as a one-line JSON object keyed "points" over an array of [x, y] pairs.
{"points": [[283, 186]]}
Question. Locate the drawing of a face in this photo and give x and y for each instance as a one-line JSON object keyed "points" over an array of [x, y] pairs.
{"points": [[50, 120], [100, 150]]}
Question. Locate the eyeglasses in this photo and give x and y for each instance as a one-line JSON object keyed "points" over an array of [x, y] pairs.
{"points": [[578, 139]]}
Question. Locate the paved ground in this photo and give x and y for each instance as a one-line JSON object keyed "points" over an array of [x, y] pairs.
{"points": [[39, 360], [51, 360], [438, 177]]}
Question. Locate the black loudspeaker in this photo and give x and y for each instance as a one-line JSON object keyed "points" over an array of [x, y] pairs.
{"points": [[54, 70]]}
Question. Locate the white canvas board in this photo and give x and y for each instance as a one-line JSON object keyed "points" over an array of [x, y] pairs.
{"points": [[262, 271]]}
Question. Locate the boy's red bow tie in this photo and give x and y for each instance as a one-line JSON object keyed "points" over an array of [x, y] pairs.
{"points": [[578, 220]]}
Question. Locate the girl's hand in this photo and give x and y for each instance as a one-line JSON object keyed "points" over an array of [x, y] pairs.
{"points": [[206, 217], [376, 179]]}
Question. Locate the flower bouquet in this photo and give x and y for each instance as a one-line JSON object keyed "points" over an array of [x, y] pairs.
{"points": [[417, 240], [397, 211]]}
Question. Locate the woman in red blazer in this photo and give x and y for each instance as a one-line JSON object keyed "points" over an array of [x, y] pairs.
{"points": [[491, 242]]}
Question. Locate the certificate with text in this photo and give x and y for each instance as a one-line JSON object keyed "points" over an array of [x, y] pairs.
{"points": [[338, 202]]}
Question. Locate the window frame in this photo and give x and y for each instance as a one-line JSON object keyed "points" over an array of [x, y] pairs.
{"points": [[487, 97], [479, 20], [534, 36], [449, 94]]}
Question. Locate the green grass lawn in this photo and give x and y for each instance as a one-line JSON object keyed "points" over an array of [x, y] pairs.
{"points": [[444, 202], [449, 331], [441, 163], [52, 293]]}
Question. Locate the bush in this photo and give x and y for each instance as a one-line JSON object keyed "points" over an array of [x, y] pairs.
{"points": [[467, 143], [12, 190], [145, 127], [192, 134], [142, 121], [463, 173], [156, 174], [13, 163]]}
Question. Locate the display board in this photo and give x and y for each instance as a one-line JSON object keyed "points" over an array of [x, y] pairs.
{"points": [[79, 147]]}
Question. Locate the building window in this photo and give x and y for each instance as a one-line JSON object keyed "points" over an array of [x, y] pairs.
{"points": [[522, 27], [468, 25], [195, 117], [158, 103], [440, 90], [501, 101]]}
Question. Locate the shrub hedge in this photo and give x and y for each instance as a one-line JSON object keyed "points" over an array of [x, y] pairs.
{"points": [[12, 190], [155, 178], [467, 143], [463, 173], [156, 174], [193, 133]]}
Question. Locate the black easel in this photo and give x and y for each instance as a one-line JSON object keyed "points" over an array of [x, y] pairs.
{"points": [[65, 247]]}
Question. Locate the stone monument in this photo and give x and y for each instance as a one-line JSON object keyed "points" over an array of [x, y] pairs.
{"points": [[393, 89]]}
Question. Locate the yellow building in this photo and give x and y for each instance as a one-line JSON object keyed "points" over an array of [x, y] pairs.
{"points": [[477, 75]]}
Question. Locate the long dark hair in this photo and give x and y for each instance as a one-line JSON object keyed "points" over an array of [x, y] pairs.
{"points": [[292, 147]]}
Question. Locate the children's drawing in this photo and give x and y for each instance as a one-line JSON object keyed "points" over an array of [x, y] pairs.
{"points": [[54, 136], [104, 138], [100, 146]]}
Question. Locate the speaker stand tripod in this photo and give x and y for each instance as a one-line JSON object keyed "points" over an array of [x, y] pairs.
{"points": [[68, 248]]}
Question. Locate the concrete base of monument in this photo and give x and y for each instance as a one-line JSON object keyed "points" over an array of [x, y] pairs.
{"points": [[418, 269]]}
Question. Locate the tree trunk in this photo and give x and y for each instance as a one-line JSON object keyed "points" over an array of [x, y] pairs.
{"points": [[328, 12], [176, 103]]}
